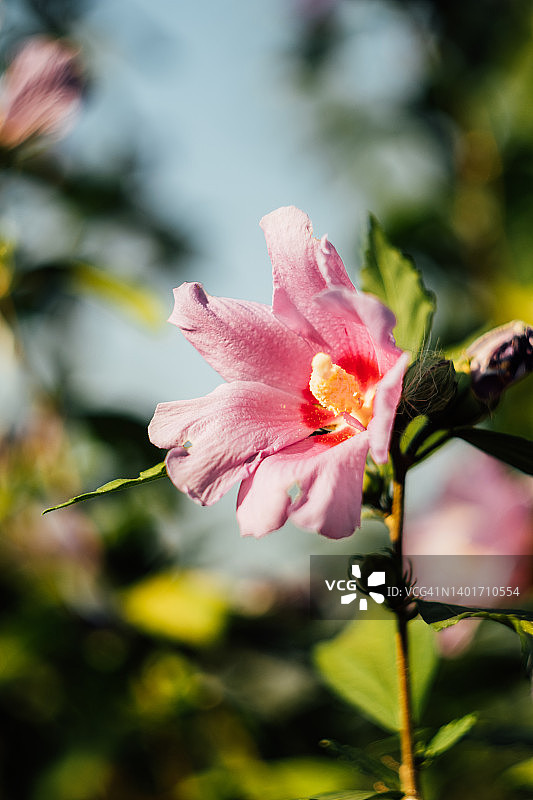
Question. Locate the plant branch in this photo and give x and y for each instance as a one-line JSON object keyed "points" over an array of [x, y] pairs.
{"points": [[408, 772]]}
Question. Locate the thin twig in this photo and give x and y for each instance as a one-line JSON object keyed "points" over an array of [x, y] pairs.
{"points": [[408, 772]]}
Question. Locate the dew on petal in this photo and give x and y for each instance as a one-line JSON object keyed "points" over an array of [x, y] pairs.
{"points": [[294, 491]]}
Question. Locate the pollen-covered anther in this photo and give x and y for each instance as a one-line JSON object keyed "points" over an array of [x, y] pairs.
{"points": [[334, 388]]}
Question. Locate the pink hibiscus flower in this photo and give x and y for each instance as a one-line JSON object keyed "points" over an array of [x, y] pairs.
{"points": [[40, 91], [312, 385]]}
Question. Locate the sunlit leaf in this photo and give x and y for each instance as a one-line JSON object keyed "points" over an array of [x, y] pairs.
{"points": [[16, 657], [146, 476], [248, 777], [137, 300], [512, 299], [78, 775], [443, 615], [413, 432], [189, 607], [167, 682], [297, 777], [512, 450], [395, 280], [363, 761], [521, 774], [360, 665], [6, 267], [359, 795], [449, 735]]}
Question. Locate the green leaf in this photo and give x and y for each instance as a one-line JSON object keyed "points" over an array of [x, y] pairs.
{"points": [[360, 665], [365, 763], [512, 450], [137, 300], [449, 735], [282, 778], [359, 795], [442, 615], [148, 475], [521, 774], [186, 606], [395, 280], [414, 434]]}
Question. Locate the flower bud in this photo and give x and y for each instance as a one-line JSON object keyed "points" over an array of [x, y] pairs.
{"points": [[500, 358], [397, 580], [429, 386]]}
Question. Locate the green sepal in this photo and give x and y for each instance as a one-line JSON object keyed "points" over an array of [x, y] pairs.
{"points": [[377, 482], [512, 450], [395, 280], [415, 434], [146, 476]]}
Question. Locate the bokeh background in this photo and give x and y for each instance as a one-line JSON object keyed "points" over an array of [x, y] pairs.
{"points": [[146, 650]]}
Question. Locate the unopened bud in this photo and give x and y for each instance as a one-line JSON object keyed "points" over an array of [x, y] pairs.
{"points": [[500, 358], [429, 386], [397, 579]]}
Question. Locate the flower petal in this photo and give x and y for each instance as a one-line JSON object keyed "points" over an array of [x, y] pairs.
{"points": [[316, 482], [387, 397], [301, 264], [368, 327], [242, 340], [314, 297], [219, 439], [293, 319], [302, 267]]}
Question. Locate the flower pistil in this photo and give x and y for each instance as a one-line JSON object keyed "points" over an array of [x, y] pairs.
{"points": [[338, 390]]}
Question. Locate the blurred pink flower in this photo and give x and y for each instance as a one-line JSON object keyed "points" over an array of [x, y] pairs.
{"points": [[483, 509], [40, 91], [312, 384]]}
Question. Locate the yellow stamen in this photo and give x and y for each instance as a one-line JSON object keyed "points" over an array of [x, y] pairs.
{"points": [[338, 390]]}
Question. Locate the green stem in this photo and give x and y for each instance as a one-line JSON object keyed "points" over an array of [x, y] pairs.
{"points": [[418, 439], [408, 771], [434, 446]]}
